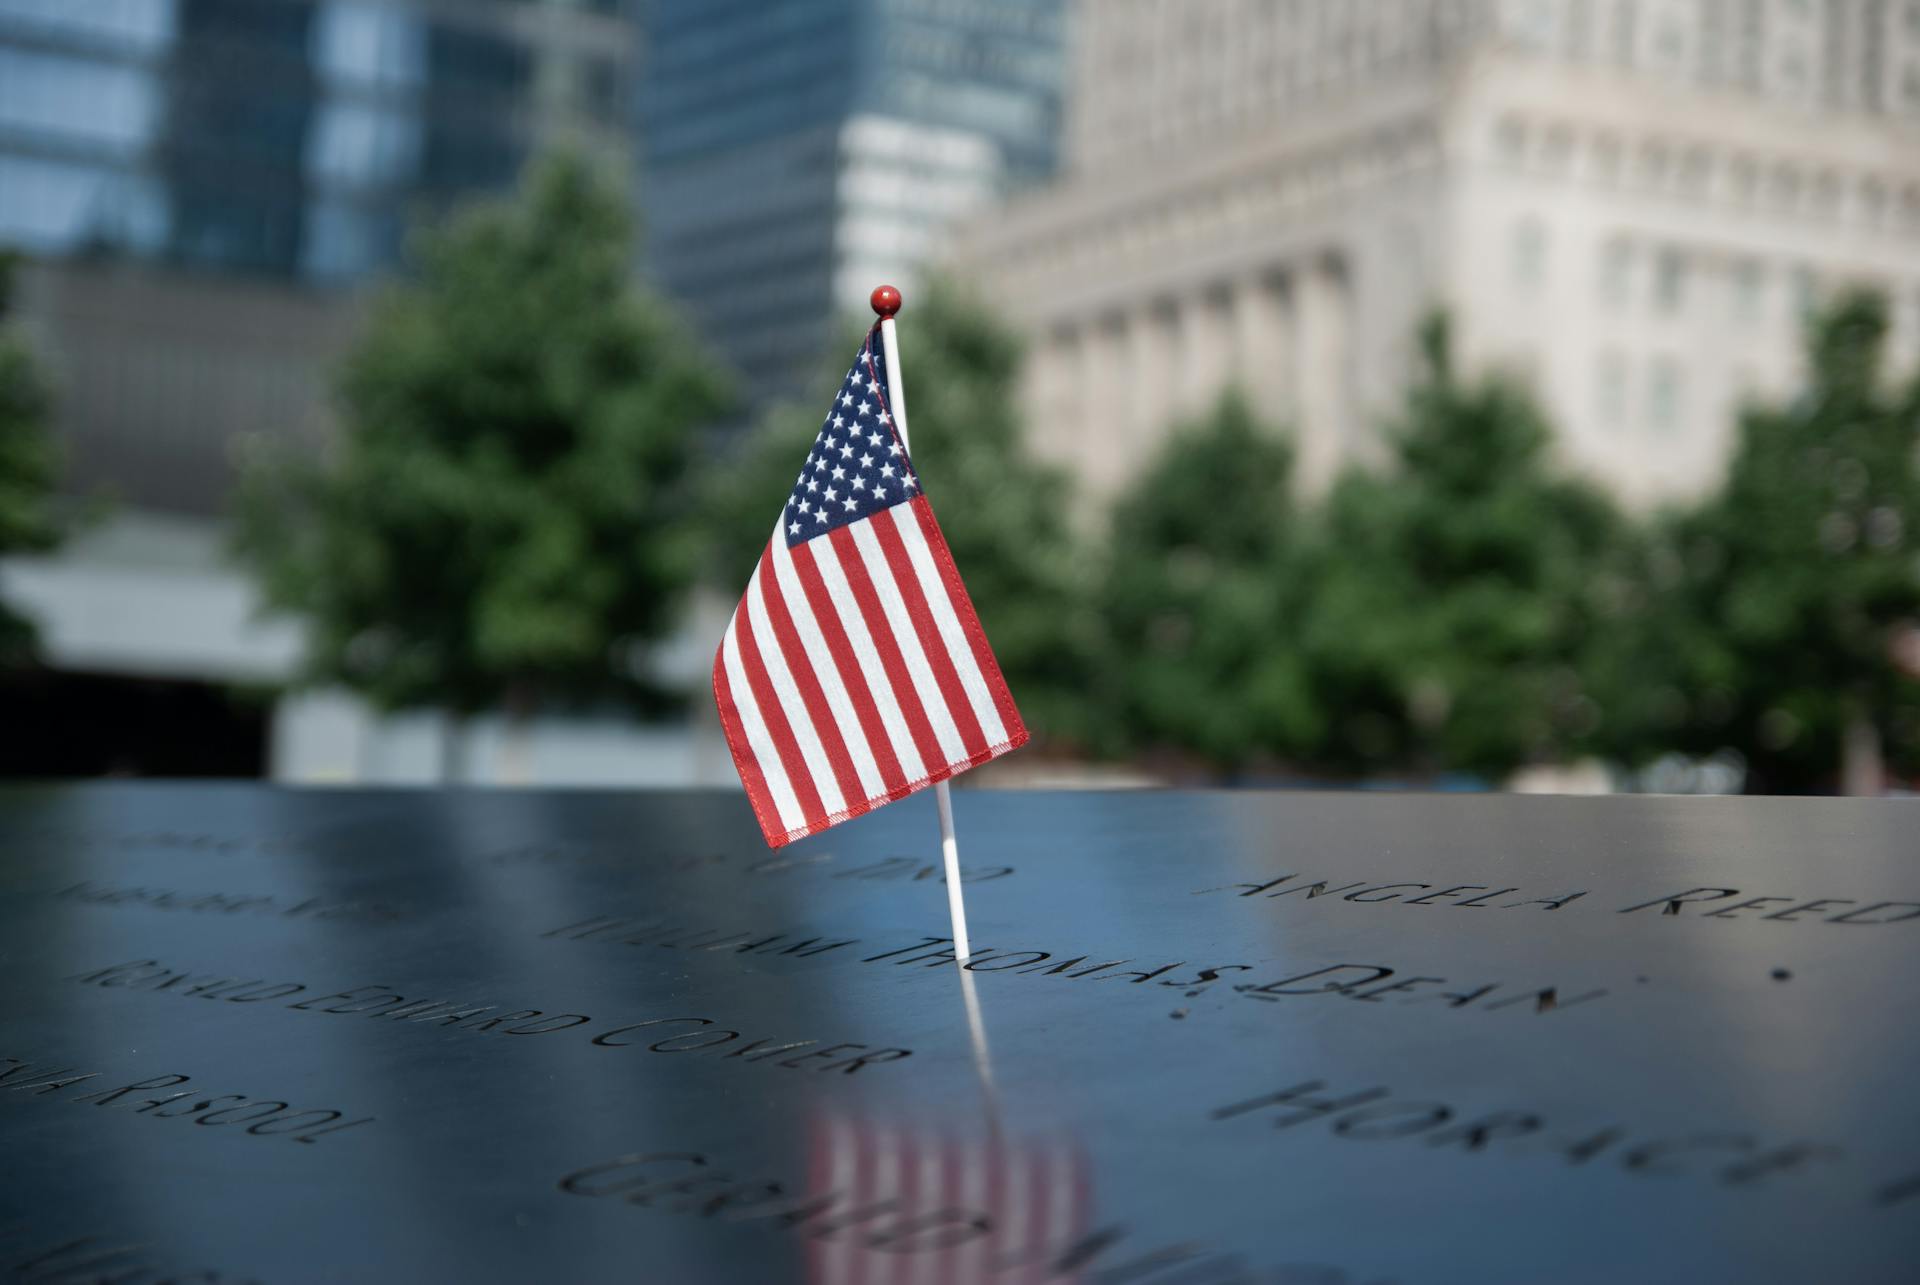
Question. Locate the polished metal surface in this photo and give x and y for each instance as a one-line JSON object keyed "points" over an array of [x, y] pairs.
{"points": [[249, 1034]]}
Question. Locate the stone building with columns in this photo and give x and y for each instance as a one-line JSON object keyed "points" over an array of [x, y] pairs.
{"points": [[1629, 204]]}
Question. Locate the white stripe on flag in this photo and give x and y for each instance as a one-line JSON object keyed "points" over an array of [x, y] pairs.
{"points": [[839, 704], [827, 559], [948, 623], [766, 756], [907, 640], [819, 767]]}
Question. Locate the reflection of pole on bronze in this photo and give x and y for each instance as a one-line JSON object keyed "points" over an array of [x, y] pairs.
{"points": [[886, 302], [982, 1057]]}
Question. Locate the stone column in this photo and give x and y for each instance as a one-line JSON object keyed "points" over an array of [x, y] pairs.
{"points": [[1156, 357], [1109, 383], [1323, 310], [1263, 357], [1209, 349], [1055, 394]]}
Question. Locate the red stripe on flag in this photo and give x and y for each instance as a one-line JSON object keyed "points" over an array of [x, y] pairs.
{"points": [[855, 569], [969, 621], [935, 647], [852, 677], [744, 762], [814, 812], [807, 683]]}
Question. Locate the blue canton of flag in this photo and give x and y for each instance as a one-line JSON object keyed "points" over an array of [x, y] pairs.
{"points": [[857, 466]]}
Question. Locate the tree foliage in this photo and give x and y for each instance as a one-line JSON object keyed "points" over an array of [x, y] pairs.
{"points": [[1202, 597], [503, 516], [1778, 609], [28, 462], [1003, 512], [1452, 593]]}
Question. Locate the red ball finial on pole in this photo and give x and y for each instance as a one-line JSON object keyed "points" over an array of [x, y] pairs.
{"points": [[885, 301]]}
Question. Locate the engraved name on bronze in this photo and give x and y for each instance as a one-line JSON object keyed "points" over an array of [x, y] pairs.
{"points": [[260, 1117], [1713, 903], [1367, 983], [197, 842], [667, 1033], [915, 1227], [1729, 1157], [225, 903], [892, 869], [1702, 902]]}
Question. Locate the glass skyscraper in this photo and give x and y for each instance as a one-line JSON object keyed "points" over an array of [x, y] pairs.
{"points": [[795, 155], [196, 179], [286, 137]]}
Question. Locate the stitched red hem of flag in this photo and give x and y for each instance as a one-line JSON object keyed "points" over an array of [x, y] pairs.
{"points": [[777, 840]]}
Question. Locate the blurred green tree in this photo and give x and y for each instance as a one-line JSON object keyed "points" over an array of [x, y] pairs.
{"points": [[1004, 513], [28, 462], [504, 517], [1784, 612], [1202, 596], [1452, 594]]}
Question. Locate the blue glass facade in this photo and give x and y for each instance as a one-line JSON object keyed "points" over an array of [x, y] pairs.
{"points": [[790, 151], [293, 138]]}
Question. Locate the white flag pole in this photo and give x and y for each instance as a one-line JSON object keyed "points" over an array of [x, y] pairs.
{"points": [[886, 302]]}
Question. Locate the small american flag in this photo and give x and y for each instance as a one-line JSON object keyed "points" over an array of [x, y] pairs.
{"points": [[854, 670]]}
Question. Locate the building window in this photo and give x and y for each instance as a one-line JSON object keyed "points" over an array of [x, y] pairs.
{"points": [[1510, 137], [1665, 387], [1873, 202], [1529, 254], [1616, 272], [1786, 187], [1743, 179], [1606, 158], [1610, 388], [1749, 292], [1670, 282], [1806, 290], [1696, 171]]}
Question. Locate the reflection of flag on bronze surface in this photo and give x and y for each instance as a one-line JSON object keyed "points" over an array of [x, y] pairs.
{"points": [[915, 1206], [854, 670]]}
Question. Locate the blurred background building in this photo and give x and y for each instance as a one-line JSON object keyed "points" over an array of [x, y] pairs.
{"points": [[1628, 203], [796, 154], [203, 185]]}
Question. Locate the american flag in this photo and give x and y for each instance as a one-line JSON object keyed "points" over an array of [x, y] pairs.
{"points": [[854, 670]]}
